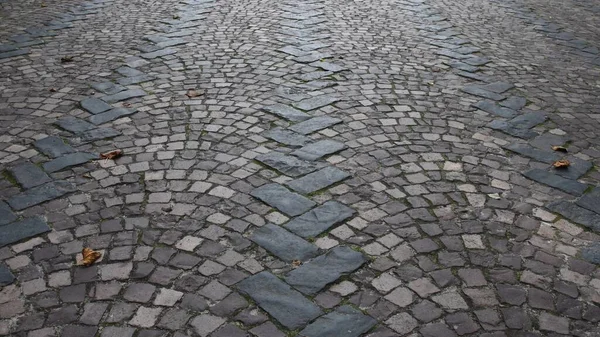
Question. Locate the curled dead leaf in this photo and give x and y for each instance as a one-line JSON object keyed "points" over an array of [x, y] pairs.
{"points": [[176, 17], [296, 263], [192, 93], [563, 163], [559, 148], [66, 59], [112, 154], [52, 89], [89, 256]]}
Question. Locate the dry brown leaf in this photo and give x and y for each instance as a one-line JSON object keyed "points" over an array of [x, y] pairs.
{"points": [[52, 89], [296, 263], [559, 148], [563, 163], [176, 17], [66, 59], [192, 93], [112, 154], [89, 256]]}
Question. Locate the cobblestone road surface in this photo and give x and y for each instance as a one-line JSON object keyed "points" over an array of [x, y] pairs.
{"points": [[315, 168]]}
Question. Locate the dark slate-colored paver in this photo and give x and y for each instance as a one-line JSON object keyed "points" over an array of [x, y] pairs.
{"points": [[40, 194], [318, 180], [129, 72], [314, 124], [6, 276], [319, 219], [283, 244], [462, 66], [591, 200], [17, 231], [493, 108], [315, 102], [547, 140], [344, 321], [528, 120], [287, 112], [520, 126], [282, 302], [53, 147], [531, 152], [512, 130], [29, 175], [94, 105], [108, 88], [498, 87], [159, 53], [319, 149], [287, 165], [313, 276], [479, 91], [287, 137], [576, 214], [124, 95], [73, 124], [6, 215], [111, 115], [283, 199], [135, 79], [71, 159], [514, 102], [591, 253], [99, 133], [14, 53], [567, 185]]}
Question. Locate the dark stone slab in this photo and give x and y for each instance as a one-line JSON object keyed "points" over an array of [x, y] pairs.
{"points": [[6, 215], [473, 76], [514, 102], [108, 88], [591, 200], [287, 112], [344, 321], [316, 102], [129, 72], [479, 91], [567, 185], [135, 79], [111, 115], [576, 214], [287, 165], [53, 147], [40, 194], [312, 57], [68, 160], [94, 105], [6, 276], [318, 180], [159, 53], [578, 168], [14, 53], [591, 253], [547, 140], [282, 302], [528, 120], [29, 175], [512, 130], [477, 61], [531, 152], [293, 94], [320, 219], [99, 133], [319, 149], [451, 54], [287, 137], [283, 199], [314, 124], [492, 108], [124, 95], [313, 276], [17, 231], [291, 50], [283, 244], [462, 66], [314, 75], [328, 66], [74, 124]]}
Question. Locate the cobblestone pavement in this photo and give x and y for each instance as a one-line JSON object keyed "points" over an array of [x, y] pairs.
{"points": [[314, 168]]}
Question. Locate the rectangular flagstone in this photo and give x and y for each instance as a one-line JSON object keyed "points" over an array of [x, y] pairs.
{"points": [[283, 244], [319, 219], [94, 105], [479, 91], [287, 165], [534, 153], [314, 275], [6, 215], [135, 79], [282, 302], [6, 276], [53, 146], [345, 321], [287, 137], [73, 124], [108, 88], [591, 200], [159, 53], [287, 112], [29, 175], [111, 115], [314, 124], [318, 180], [124, 95], [68, 160], [99, 133], [567, 185], [283, 199], [319, 149], [493, 108], [17, 231], [40, 194], [576, 214], [316, 102]]}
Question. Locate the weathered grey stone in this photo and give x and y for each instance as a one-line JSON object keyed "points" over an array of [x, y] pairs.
{"points": [[111, 115], [159, 53], [314, 124], [497, 87], [53, 147], [531, 152], [283, 199], [315, 102], [318, 180], [29, 175], [108, 88], [128, 71], [14, 53], [345, 321], [135, 79], [514, 102], [287, 137], [492, 108], [578, 168], [528, 120], [94, 105], [99, 133], [314, 75], [286, 305], [68, 160], [123, 95], [6, 276], [318, 220], [591, 253], [17, 231], [6, 215], [74, 124], [567, 185], [283, 244], [575, 213], [287, 112], [480, 91], [512, 130], [547, 140], [319, 149], [520, 125], [325, 269], [40, 194], [591, 200], [462, 66], [287, 165]]}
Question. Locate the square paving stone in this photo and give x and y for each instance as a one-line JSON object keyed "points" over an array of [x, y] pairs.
{"points": [[40, 194], [576, 214], [567, 185], [135, 79], [124, 95], [108, 88], [283, 244], [74, 124], [319, 149], [29, 175], [94, 105], [345, 321], [313, 276], [287, 137], [53, 147], [111, 115], [68, 160], [282, 302], [6, 215], [287, 112], [318, 180], [287, 165], [24, 229], [6, 276], [494, 109], [283, 199], [591, 200], [99, 133], [320, 219], [314, 124], [316, 102]]}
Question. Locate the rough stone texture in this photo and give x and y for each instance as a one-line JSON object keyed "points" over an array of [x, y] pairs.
{"points": [[556, 181], [53, 147], [287, 112], [577, 214], [283, 199], [29, 175], [24, 229], [319, 219], [318, 180], [287, 137], [319, 149], [314, 124], [287, 165], [283, 244], [345, 318], [94, 105], [40, 194], [6, 215]]}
